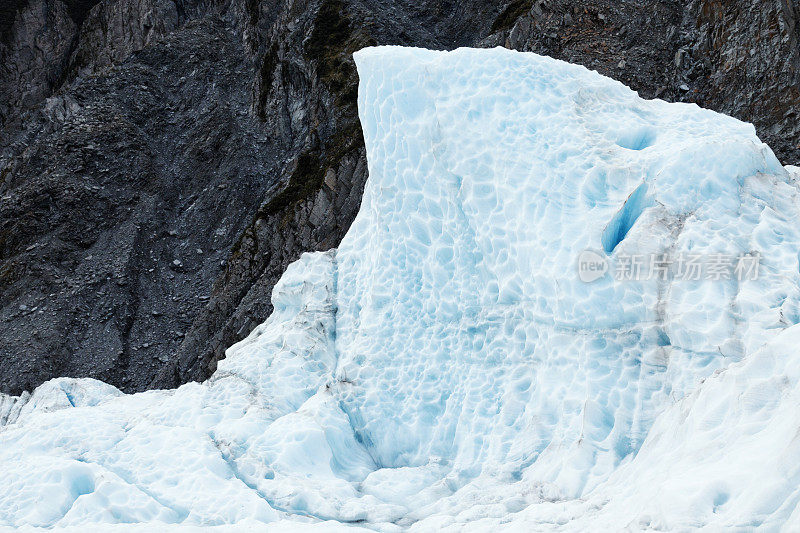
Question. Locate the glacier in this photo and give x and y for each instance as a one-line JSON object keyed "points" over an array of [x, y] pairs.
{"points": [[446, 368]]}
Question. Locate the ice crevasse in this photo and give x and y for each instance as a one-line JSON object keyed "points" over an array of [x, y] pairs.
{"points": [[447, 367]]}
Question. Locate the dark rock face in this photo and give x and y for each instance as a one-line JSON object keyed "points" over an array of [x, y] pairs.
{"points": [[118, 212], [163, 161]]}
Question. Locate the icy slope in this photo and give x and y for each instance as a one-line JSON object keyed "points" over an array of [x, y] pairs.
{"points": [[447, 366], [462, 324]]}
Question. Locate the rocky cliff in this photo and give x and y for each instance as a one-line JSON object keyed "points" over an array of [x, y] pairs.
{"points": [[162, 161]]}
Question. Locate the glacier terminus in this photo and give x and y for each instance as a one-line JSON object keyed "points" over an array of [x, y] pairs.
{"points": [[447, 368]]}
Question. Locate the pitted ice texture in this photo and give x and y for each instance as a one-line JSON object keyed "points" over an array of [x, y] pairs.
{"points": [[447, 367]]}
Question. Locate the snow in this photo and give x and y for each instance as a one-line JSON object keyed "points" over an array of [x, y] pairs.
{"points": [[446, 367]]}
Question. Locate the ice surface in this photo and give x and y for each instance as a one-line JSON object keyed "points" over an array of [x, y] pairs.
{"points": [[446, 367]]}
